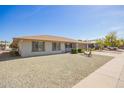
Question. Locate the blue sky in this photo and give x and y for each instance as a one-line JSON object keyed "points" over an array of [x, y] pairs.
{"points": [[79, 22]]}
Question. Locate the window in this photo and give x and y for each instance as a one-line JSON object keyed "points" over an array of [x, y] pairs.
{"points": [[56, 46], [38, 46], [68, 45]]}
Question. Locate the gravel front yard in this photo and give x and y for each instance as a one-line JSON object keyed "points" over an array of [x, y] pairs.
{"points": [[62, 70]]}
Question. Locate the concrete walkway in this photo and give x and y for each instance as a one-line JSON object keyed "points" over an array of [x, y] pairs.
{"points": [[108, 53], [110, 75]]}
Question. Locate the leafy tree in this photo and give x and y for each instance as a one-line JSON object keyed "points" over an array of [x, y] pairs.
{"points": [[100, 43], [111, 40], [121, 42], [118, 43]]}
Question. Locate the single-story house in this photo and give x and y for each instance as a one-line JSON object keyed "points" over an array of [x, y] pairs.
{"points": [[45, 44]]}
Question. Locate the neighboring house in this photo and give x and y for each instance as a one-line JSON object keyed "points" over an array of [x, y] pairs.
{"points": [[87, 44], [45, 44], [4, 45]]}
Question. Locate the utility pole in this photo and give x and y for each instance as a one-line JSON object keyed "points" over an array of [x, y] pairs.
{"points": [[5, 44]]}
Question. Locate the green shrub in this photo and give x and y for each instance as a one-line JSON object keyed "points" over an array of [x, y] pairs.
{"points": [[74, 51], [80, 51]]}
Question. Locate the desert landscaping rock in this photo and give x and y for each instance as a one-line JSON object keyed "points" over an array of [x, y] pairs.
{"points": [[62, 70]]}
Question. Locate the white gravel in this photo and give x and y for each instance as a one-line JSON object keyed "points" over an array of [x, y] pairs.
{"points": [[62, 70]]}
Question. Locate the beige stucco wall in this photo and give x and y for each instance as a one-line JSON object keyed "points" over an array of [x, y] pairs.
{"points": [[25, 49], [82, 46]]}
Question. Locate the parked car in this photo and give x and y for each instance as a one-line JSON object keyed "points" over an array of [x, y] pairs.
{"points": [[112, 48]]}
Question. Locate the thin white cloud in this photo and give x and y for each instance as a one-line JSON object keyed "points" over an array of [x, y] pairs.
{"points": [[100, 8], [115, 28], [37, 10], [19, 13], [118, 29], [107, 10], [117, 13]]}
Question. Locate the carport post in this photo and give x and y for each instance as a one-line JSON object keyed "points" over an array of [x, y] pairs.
{"points": [[76, 45]]}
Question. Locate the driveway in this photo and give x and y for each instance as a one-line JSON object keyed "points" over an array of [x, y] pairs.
{"points": [[110, 75], [109, 53]]}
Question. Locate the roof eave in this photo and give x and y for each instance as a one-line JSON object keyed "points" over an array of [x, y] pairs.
{"points": [[45, 40]]}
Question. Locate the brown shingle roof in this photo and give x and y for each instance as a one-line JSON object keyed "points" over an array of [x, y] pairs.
{"points": [[46, 38]]}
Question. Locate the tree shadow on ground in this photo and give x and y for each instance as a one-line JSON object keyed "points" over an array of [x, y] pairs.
{"points": [[5, 56]]}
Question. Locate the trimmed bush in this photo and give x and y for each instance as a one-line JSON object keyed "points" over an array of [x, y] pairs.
{"points": [[80, 51], [74, 51]]}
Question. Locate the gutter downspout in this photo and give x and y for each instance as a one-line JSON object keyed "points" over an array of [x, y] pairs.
{"points": [[87, 45]]}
